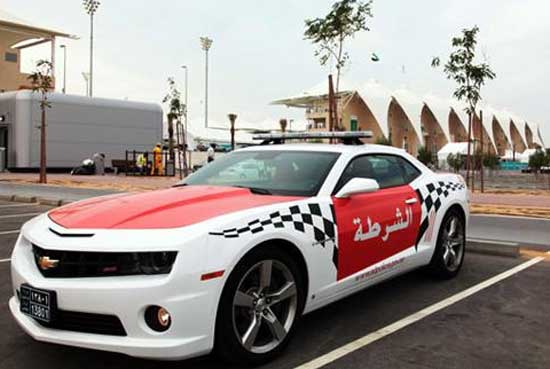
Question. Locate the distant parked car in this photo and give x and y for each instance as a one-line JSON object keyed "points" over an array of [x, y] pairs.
{"points": [[202, 147]]}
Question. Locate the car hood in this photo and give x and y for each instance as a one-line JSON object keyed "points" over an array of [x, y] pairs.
{"points": [[171, 208]]}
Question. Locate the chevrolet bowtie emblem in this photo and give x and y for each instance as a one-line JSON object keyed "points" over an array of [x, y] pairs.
{"points": [[46, 263]]}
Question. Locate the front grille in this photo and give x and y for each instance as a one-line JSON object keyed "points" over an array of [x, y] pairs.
{"points": [[86, 323], [81, 264]]}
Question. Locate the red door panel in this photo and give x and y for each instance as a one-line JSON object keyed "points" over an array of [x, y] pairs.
{"points": [[392, 229]]}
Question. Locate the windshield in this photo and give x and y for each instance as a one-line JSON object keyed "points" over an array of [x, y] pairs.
{"points": [[292, 173]]}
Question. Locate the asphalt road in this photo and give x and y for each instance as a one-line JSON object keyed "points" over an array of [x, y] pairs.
{"points": [[504, 326]]}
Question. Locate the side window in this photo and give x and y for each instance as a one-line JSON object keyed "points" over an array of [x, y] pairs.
{"points": [[387, 170], [360, 167], [411, 172]]}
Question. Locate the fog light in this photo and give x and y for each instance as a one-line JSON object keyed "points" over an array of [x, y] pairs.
{"points": [[158, 318]]}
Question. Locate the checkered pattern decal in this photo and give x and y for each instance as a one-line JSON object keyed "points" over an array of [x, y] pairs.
{"points": [[316, 220], [431, 196]]}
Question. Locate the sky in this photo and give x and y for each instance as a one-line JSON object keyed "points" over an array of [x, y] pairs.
{"points": [[259, 54]]}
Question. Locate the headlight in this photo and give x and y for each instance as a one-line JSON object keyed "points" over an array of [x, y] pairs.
{"points": [[156, 262], [81, 264]]}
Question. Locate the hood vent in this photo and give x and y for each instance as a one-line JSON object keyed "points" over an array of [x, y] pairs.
{"points": [[81, 235]]}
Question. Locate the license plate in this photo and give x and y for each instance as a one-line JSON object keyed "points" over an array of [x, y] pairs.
{"points": [[37, 303]]}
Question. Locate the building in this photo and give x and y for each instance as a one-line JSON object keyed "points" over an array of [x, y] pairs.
{"points": [[16, 35], [410, 121], [78, 127]]}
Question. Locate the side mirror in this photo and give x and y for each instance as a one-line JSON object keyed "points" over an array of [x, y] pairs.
{"points": [[356, 186]]}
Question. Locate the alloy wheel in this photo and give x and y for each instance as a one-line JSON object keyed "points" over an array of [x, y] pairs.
{"points": [[265, 306], [453, 243]]}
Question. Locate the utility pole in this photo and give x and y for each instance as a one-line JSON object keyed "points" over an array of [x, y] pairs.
{"points": [[90, 6], [64, 47], [206, 43]]}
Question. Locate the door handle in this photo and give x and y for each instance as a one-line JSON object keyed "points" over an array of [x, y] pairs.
{"points": [[412, 200]]}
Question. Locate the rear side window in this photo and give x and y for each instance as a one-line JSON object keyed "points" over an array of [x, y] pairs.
{"points": [[387, 170]]}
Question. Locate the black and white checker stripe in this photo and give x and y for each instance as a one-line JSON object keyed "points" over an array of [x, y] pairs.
{"points": [[431, 196], [316, 220]]}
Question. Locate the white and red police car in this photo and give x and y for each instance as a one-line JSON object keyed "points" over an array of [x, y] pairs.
{"points": [[232, 257]]}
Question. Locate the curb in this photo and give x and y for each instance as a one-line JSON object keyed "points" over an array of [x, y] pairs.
{"points": [[35, 200], [50, 202], [26, 199], [7, 197], [493, 248]]}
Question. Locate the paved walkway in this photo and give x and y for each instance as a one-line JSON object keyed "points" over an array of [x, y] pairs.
{"points": [[508, 199], [87, 186]]}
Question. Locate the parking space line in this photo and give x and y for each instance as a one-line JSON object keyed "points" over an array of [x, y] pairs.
{"points": [[10, 232], [18, 215], [18, 205], [4, 260], [413, 318]]}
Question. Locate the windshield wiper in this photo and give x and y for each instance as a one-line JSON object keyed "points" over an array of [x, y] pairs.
{"points": [[256, 190]]}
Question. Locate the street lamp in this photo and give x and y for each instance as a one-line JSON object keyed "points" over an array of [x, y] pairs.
{"points": [[87, 79], [90, 6], [64, 47], [206, 43], [186, 94], [185, 112]]}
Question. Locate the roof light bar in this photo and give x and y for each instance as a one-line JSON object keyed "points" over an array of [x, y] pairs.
{"points": [[308, 135], [348, 137]]}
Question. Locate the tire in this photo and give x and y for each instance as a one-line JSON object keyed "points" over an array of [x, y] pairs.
{"points": [[450, 248], [257, 315]]}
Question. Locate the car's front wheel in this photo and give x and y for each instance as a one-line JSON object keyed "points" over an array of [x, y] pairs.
{"points": [[259, 308]]}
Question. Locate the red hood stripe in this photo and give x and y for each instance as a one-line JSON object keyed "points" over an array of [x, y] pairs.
{"points": [[171, 208]]}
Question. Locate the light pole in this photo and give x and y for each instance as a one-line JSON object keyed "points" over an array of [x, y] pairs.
{"points": [[90, 6], [186, 94], [206, 43], [64, 47], [86, 77], [185, 112]]}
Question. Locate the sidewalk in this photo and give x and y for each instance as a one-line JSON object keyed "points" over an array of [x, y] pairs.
{"points": [[532, 203], [119, 183]]}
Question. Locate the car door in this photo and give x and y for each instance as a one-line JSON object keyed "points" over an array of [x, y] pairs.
{"points": [[375, 226]]}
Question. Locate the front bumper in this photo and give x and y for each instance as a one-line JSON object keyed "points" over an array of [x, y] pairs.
{"points": [[191, 303]]}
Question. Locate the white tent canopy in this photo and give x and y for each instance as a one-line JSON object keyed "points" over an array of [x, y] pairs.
{"points": [[451, 148]]}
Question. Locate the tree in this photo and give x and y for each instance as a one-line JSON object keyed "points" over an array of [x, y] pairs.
{"points": [[345, 19], [381, 140], [455, 161], [175, 111], [424, 155], [491, 161], [537, 160], [468, 76], [42, 82]]}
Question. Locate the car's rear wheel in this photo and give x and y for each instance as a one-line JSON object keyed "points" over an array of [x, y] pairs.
{"points": [[259, 308], [451, 246]]}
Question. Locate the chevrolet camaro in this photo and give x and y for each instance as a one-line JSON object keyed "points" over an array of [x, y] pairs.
{"points": [[231, 258]]}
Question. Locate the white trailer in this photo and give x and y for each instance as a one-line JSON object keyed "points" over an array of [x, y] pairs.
{"points": [[77, 127]]}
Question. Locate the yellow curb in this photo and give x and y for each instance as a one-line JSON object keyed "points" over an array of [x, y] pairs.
{"points": [[524, 211]]}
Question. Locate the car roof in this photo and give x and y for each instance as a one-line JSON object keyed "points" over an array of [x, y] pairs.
{"points": [[320, 147]]}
